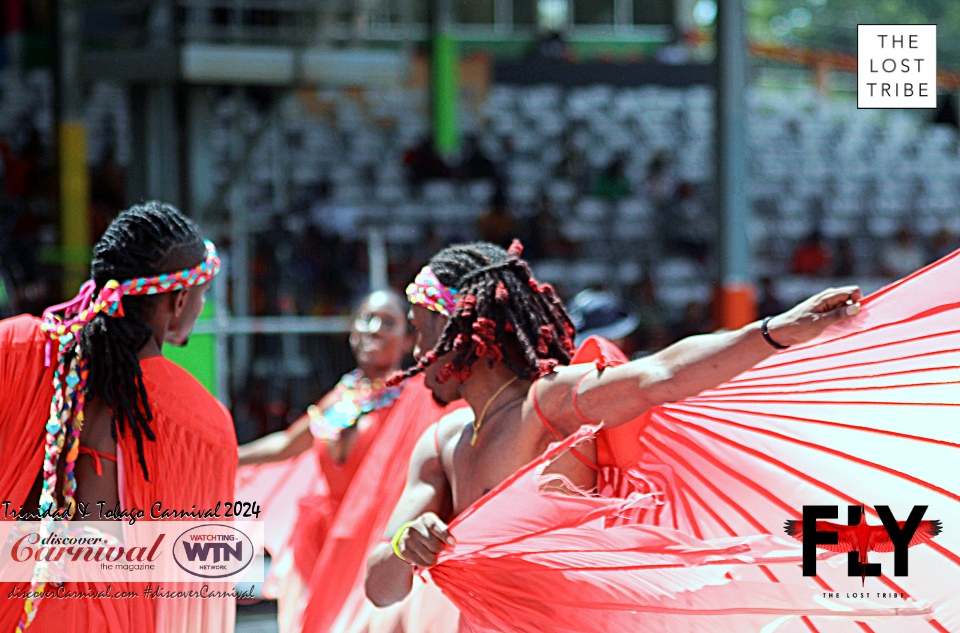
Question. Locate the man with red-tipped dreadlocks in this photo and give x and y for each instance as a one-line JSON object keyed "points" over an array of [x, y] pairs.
{"points": [[488, 332], [92, 413]]}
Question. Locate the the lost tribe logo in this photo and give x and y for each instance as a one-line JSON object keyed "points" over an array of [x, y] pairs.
{"points": [[897, 66], [857, 538], [213, 551]]}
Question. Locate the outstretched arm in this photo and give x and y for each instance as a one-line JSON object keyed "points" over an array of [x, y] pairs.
{"points": [[622, 393], [425, 498], [278, 446], [285, 444]]}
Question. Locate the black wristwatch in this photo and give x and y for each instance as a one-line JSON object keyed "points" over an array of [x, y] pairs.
{"points": [[767, 337]]}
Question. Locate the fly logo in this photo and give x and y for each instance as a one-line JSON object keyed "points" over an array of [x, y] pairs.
{"points": [[858, 538], [213, 551]]}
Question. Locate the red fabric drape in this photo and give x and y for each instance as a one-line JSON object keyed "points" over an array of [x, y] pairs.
{"points": [[193, 462], [866, 413], [297, 508]]}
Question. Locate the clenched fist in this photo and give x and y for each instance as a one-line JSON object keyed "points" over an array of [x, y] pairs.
{"points": [[424, 539], [808, 319]]}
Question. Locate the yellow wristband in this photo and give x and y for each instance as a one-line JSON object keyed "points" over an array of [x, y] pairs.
{"points": [[395, 541]]}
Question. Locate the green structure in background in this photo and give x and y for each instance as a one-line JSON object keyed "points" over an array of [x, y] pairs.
{"points": [[444, 83], [199, 356]]}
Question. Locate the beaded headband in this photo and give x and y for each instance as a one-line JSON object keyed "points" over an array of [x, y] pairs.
{"points": [[81, 310], [70, 381], [427, 291]]}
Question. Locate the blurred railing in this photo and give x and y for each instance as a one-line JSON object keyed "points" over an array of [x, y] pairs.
{"points": [[308, 22], [279, 22]]}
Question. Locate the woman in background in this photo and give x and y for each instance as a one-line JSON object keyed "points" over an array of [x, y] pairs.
{"points": [[341, 454]]}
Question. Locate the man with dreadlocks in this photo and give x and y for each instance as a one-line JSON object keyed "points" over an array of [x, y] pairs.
{"points": [[86, 393], [488, 332]]}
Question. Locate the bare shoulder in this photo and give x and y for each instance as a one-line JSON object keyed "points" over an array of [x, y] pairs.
{"points": [[427, 488], [442, 434], [551, 397], [450, 426]]}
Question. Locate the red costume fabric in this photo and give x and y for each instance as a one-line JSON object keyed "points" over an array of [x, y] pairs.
{"points": [[692, 538], [341, 512], [192, 462]]}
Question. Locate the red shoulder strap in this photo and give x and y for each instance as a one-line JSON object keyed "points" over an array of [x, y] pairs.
{"points": [[576, 404], [552, 429], [543, 418], [96, 455]]}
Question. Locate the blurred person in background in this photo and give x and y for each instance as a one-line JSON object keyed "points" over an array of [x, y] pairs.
{"points": [[846, 263], [696, 320], [552, 46], [691, 229], [544, 238], [812, 257], [30, 221], [108, 190], [612, 183], [424, 163], [662, 190], [769, 303], [943, 243], [573, 165], [660, 179], [349, 450], [497, 225], [20, 164], [903, 256], [654, 331], [602, 313], [476, 165]]}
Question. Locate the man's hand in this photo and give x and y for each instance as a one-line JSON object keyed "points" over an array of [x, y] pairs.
{"points": [[424, 539], [807, 320], [427, 492]]}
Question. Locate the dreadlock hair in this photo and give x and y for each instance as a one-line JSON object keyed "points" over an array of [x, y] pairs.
{"points": [[502, 314], [146, 240]]}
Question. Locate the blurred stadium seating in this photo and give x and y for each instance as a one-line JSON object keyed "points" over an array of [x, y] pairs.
{"points": [[856, 174]]}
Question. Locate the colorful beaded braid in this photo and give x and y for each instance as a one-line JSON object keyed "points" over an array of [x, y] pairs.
{"points": [[70, 387], [427, 291]]}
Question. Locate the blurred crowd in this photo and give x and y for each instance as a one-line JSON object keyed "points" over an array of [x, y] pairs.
{"points": [[903, 253], [30, 258], [330, 270], [312, 259], [28, 223]]}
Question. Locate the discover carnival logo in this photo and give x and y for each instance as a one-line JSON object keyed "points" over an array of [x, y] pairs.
{"points": [[213, 551]]}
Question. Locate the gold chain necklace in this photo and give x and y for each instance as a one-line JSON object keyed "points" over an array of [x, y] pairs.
{"points": [[479, 421]]}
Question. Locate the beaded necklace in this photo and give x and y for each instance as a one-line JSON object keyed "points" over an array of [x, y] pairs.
{"points": [[358, 396]]}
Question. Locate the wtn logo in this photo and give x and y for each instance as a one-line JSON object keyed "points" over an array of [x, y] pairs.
{"points": [[858, 538], [212, 550], [221, 551]]}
